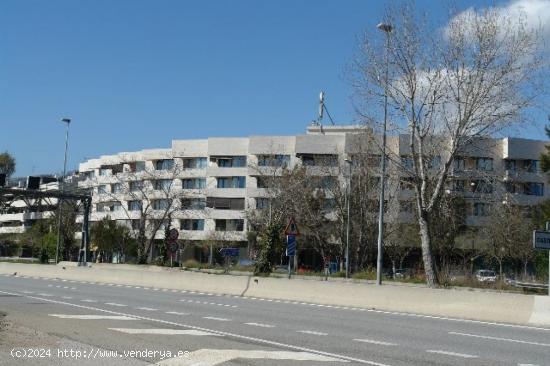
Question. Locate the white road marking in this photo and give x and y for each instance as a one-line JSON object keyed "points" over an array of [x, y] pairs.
{"points": [[115, 304], [215, 318], [500, 339], [88, 300], [50, 285], [261, 325], [164, 331], [212, 357], [448, 353], [146, 309], [28, 292], [234, 335], [73, 288], [312, 332], [176, 313], [66, 297], [92, 317], [380, 343], [42, 294]]}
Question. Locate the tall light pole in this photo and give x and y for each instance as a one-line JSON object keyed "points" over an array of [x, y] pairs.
{"points": [[348, 199], [62, 186], [386, 28]]}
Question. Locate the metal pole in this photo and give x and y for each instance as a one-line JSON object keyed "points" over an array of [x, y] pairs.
{"points": [[548, 229], [348, 194], [62, 183], [383, 168]]}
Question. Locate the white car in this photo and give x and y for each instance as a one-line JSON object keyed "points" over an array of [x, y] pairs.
{"points": [[485, 275]]}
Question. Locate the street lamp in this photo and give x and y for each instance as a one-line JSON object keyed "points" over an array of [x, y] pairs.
{"points": [[62, 186], [348, 196], [386, 28]]}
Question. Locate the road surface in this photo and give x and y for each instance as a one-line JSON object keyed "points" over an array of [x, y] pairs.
{"points": [[108, 324]]}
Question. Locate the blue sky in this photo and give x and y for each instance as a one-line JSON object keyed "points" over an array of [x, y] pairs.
{"points": [[135, 74]]}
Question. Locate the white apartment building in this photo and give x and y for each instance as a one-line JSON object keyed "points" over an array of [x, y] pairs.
{"points": [[221, 177]]}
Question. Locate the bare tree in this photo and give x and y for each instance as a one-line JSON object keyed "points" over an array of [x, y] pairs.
{"points": [[446, 88], [148, 198]]}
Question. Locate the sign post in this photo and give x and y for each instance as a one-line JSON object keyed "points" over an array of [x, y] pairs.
{"points": [[291, 232], [541, 241], [172, 244]]}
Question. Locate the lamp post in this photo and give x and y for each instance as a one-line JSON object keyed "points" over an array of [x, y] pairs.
{"points": [[348, 199], [386, 28], [62, 186]]}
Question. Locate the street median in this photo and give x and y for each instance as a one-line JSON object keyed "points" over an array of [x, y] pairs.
{"points": [[486, 306]]}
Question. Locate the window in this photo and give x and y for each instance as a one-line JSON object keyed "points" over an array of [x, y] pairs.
{"points": [[459, 185], [89, 175], [485, 164], [161, 204], [225, 203], [103, 172], [192, 224], [327, 182], [165, 164], [459, 164], [136, 166], [193, 203], [194, 163], [230, 225], [116, 206], [231, 182], [162, 184], [136, 185], [407, 161], [102, 189], [329, 204], [261, 203], [274, 160], [531, 166], [533, 189], [193, 183], [231, 161], [481, 209], [134, 205], [481, 186], [116, 188], [320, 160], [434, 161], [510, 165]]}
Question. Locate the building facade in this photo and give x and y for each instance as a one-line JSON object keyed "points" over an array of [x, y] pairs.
{"points": [[216, 180]]}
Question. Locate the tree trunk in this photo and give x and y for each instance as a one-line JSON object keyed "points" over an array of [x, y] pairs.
{"points": [[431, 279], [525, 263]]}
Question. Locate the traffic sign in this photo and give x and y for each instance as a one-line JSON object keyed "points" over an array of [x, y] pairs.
{"points": [[173, 234], [173, 247], [541, 240], [291, 245], [292, 228], [229, 252]]}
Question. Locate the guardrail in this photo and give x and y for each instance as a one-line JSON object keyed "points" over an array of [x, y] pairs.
{"points": [[530, 285]]}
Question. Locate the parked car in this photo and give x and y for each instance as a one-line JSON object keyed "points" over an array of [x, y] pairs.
{"points": [[485, 275], [403, 273]]}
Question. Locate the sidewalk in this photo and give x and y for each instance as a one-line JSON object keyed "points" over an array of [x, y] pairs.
{"points": [[452, 303]]}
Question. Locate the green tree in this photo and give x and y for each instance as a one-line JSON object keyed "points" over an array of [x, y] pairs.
{"points": [[111, 237], [7, 164]]}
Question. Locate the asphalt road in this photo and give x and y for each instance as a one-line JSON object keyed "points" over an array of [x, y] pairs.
{"points": [[208, 329]]}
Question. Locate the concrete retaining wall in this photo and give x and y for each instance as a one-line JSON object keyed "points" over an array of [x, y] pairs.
{"points": [[464, 304]]}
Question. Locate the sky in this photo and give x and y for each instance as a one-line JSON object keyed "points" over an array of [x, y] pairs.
{"points": [[136, 74]]}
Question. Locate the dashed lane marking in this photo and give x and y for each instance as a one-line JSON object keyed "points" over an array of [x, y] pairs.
{"points": [[115, 304], [312, 332], [373, 341], [146, 309], [500, 339], [176, 313], [215, 318], [163, 331], [92, 317], [260, 325], [449, 353]]}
